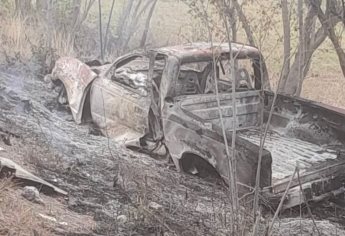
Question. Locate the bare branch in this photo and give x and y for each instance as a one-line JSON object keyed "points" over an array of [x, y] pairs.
{"points": [[245, 23], [147, 24], [329, 28]]}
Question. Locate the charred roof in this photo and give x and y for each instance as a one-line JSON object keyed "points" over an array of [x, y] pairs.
{"points": [[203, 51]]}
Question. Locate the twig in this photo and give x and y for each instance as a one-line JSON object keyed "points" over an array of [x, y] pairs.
{"points": [[159, 220], [108, 25], [100, 28], [234, 111], [306, 201], [230, 177], [257, 221], [218, 99], [281, 203]]}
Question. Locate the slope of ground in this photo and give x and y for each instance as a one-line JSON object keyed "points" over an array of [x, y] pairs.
{"points": [[112, 191], [46, 141]]}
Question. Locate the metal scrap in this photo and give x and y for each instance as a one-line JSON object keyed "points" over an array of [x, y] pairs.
{"points": [[9, 168], [155, 99]]}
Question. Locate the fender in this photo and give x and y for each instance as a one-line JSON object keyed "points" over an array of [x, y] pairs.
{"points": [[77, 78], [183, 136]]}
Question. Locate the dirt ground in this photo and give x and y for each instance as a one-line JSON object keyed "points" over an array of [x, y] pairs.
{"points": [[45, 140], [112, 190]]}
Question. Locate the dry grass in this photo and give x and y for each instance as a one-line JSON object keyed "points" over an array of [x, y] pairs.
{"points": [[21, 217], [62, 44], [17, 217], [15, 35], [328, 89], [22, 38]]}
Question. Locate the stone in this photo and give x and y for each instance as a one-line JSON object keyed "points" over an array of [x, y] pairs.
{"points": [[155, 206], [47, 79], [121, 219], [31, 193]]}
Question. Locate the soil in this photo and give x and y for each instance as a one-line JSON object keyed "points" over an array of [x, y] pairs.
{"points": [[113, 186]]}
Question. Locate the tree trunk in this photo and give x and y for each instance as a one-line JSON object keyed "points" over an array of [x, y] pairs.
{"points": [[305, 50], [42, 6], [242, 17], [312, 40], [122, 24], [338, 49], [301, 32], [75, 14], [135, 12], [287, 44], [23, 7], [147, 25], [324, 19]]}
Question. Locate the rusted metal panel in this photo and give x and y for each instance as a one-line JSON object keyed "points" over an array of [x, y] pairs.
{"points": [[184, 135], [310, 134], [287, 151], [187, 128], [248, 107], [328, 172], [134, 95], [77, 78], [119, 112], [192, 52], [318, 185], [19, 172]]}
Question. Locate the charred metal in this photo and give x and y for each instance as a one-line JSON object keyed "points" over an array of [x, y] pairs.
{"points": [[163, 102]]}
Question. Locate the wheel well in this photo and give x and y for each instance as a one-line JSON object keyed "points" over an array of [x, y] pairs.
{"points": [[190, 161], [86, 114]]}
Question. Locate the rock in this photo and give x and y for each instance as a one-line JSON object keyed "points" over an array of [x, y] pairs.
{"points": [[121, 219], [6, 139], [52, 219], [51, 85], [104, 216], [73, 202], [48, 78], [155, 206], [31, 193]]}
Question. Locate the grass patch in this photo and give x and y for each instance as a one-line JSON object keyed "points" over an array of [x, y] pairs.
{"points": [[16, 216]]}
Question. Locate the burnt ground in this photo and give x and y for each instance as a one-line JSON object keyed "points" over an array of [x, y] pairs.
{"points": [[107, 182]]}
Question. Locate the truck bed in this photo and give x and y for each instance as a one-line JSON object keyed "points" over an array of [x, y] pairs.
{"points": [[287, 151]]}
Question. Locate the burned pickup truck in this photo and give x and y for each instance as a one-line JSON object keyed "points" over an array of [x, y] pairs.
{"points": [[163, 102]]}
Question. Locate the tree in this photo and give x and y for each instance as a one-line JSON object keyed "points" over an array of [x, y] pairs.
{"points": [[310, 38], [23, 7], [243, 19], [311, 34], [332, 7], [287, 41], [134, 13], [42, 5], [147, 24]]}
